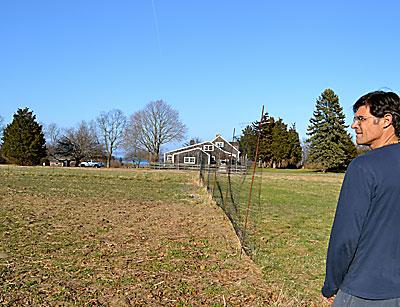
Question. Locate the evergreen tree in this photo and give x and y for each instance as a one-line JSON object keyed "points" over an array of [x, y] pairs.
{"points": [[248, 142], [279, 146], [266, 153], [23, 139], [295, 150], [330, 145]]}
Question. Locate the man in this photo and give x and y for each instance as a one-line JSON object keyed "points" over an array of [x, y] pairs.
{"points": [[363, 261]]}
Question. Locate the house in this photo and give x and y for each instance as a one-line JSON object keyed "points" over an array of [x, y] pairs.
{"points": [[218, 151]]}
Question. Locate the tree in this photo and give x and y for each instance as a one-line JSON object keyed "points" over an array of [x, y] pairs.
{"points": [[193, 141], [295, 150], [23, 139], [136, 155], [112, 128], [77, 144], [266, 153], [279, 146], [53, 135], [248, 142], [330, 145], [155, 125]]}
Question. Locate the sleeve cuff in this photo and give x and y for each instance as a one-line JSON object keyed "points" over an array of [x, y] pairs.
{"points": [[328, 292]]}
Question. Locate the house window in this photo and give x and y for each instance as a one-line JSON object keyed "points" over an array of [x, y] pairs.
{"points": [[219, 144], [208, 147], [169, 158], [189, 160]]}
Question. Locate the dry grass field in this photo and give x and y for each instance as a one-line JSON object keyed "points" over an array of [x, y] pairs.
{"points": [[119, 238]]}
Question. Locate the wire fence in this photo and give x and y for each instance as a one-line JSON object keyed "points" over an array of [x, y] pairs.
{"points": [[238, 194], [237, 169]]}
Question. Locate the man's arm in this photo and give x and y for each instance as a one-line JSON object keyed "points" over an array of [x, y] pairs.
{"points": [[352, 209]]}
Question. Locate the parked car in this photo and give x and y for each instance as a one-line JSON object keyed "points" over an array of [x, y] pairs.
{"points": [[92, 163]]}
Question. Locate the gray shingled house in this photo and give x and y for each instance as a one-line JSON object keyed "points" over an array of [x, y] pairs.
{"points": [[218, 151]]}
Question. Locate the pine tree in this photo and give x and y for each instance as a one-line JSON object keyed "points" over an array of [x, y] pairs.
{"points": [[279, 146], [330, 145], [23, 139], [295, 151], [248, 142], [266, 138]]}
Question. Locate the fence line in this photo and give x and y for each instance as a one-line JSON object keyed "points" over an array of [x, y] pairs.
{"points": [[197, 167], [229, 187], [230, 190]]}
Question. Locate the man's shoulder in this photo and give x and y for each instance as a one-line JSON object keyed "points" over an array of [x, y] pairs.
{"points": [[377, 156], [362, 159]]}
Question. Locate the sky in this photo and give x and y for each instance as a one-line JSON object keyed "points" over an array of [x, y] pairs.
{"points": [[216, 62]]}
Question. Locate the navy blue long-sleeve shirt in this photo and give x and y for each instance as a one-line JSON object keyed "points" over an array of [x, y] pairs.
{"points": [[364, 248]]}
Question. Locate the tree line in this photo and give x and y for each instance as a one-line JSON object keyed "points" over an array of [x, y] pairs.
{"points": [[329, 146], [278, 145], [26, 142]]}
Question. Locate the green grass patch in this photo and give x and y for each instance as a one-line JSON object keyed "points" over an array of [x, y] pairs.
{"points": [[286, 224]]}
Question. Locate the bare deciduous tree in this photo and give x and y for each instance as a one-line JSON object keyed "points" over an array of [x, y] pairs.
{"points": [[193, 141], [52, 134], [78, 144], [112, 127], [134, 151], [136, 155], [155, 125]]}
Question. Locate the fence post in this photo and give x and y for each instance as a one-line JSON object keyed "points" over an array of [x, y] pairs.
{"points": [[215, 182]]}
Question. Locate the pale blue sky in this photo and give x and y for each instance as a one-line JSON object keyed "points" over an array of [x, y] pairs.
{"points": [[216, 62]]}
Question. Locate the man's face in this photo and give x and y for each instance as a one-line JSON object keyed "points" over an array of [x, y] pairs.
{"points": [[369, 130]]}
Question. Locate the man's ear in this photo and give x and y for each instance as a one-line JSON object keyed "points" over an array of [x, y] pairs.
{"points": [[388, 120]]}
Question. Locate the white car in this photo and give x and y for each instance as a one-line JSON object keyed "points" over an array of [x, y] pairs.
{"points": [[92, 163]]}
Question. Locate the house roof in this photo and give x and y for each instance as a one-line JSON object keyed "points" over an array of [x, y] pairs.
{"points": [[191, 149], [206, 142]]}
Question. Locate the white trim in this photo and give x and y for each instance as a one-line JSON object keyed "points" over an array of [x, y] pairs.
{"points": [[208, 147], [219, 144], [212, 143], [189, 160], [227, 152], [169, 158], [190, 146], [197, 148], [220, 136], [201, 149]]}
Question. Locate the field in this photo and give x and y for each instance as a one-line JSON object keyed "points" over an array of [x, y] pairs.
{"points": [[293, 231], [286, 229], [136, 237]]}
